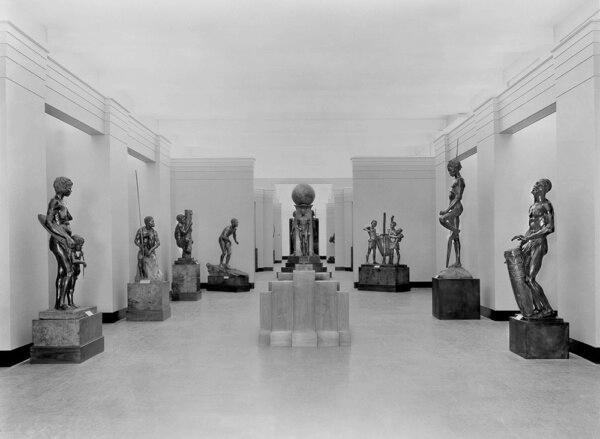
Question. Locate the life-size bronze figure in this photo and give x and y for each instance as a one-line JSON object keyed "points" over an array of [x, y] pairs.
{"points": [[79, 265], [395, 238], [526, 261], [372, 244], [57, 223], [183, 234], [146, 239], [225, 243], [450, 218]]}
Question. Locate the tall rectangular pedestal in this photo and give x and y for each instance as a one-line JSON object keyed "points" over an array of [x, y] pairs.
{"points": [[186, 282], [148, 301], [539, 338], [455, 298], [304, 312], [70, 336], [393, 278]]}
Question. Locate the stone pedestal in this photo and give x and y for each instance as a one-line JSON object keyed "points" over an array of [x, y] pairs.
{"points": [[148, 301], [186, 281], [547, 338], [382, 277], [227, 279], [70, 336], [314, 260], [304, 312], [455, 298]]}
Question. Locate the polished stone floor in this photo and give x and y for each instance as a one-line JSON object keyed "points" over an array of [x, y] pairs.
{"points": [[202, 374]]}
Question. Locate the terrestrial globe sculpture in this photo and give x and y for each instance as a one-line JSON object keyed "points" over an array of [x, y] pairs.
{"points": [[303, 195]]}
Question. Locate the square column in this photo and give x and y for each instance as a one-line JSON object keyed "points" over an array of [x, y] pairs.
{"points": [[23, 242], [340, 254], [577, 189], [112, 258], [348, 243], [268, 229], [277, 242], [160, 171], [258, 228], [330, 230]]}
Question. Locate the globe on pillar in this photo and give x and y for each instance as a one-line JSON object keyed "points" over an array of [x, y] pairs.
{"points": [[303, 195], [304, 232]]}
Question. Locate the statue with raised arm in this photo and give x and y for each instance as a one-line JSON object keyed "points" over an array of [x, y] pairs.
{"points": [[372, 244], [225, 243], [57, 223], [524, 263], [450, 217], [183, 235], [146, 239]]}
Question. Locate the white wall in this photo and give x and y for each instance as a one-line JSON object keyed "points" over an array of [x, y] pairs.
{"points": [[216, 190], [405, 188], [299, 147]]}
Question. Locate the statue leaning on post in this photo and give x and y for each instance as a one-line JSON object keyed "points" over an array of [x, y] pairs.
{"points": [[524, 262], [146, 239]]}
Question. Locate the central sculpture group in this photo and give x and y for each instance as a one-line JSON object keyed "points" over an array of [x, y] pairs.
{"points": [[388, 243]]}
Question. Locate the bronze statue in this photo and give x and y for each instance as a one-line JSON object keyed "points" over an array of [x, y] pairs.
{"points": [[450, 218], [57, 223], [524, 263], [183, 234], [372, 244], [146, 239], [395, 238], [225, 243], [78, 261]]}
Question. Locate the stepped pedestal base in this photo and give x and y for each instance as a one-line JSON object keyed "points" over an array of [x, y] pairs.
{"points": [[70, 336], [314, 261], [304, 312]]}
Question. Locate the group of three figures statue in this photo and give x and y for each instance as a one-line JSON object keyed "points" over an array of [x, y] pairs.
{"points": [[525, 261], [388, 244]]}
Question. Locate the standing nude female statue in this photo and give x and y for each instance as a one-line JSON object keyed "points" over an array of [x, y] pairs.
{"points": [[534, 246], [61, 244], [450, 218]]}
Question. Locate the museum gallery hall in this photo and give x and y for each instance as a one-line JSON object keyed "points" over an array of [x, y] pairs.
{"points": [[299, 219]]}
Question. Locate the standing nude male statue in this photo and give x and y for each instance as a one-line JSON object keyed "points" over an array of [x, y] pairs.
{"points": [[450, 218], [225, 243], [372, 244], [534, 246]]}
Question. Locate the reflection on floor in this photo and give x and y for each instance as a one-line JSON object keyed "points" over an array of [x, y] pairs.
{"points": [[202, 374]]}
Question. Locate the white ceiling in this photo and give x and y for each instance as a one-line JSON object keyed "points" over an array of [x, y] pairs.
{"points": [[316, 80], [336, 59]]}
